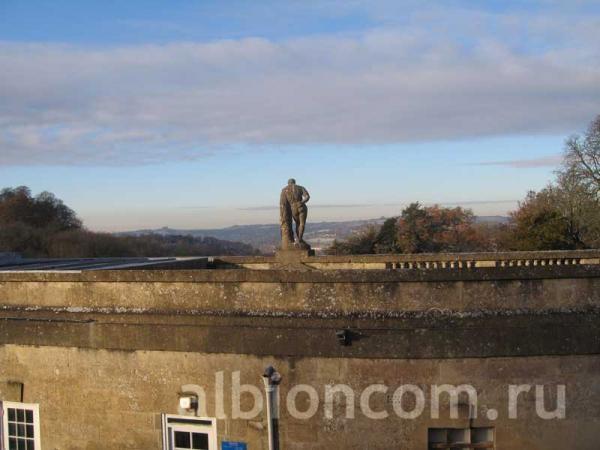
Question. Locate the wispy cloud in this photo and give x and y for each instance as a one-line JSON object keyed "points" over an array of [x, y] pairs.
{"points": [[534, 163], [63, 104]]}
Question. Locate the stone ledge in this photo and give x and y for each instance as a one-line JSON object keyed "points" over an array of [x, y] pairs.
{"points": [[560, 334], [282, 275]]}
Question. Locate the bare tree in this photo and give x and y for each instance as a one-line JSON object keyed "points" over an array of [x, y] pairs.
{"points": [[582, 158]]}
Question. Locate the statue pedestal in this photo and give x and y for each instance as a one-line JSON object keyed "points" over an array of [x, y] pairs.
{"points": [[291, 256]]}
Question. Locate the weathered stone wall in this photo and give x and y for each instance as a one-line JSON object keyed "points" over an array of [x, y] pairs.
{"points": [[314, 293], [105, 352], [99, 399]]}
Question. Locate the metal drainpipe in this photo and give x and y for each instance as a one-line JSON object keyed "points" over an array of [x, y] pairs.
{"points": [[272, 378]]}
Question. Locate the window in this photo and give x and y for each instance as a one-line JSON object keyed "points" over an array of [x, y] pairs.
{"points": [[20, 426], [461, 438], [186, 432]]}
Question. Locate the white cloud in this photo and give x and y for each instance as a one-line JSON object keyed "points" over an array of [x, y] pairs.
{"points": [[532, 163], [140, 104]]}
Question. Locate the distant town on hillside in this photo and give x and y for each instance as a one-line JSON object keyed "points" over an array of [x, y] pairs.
{"points": [[265, 237]]}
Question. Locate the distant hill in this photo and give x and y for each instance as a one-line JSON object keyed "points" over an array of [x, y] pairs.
{"points": [[265, 237]]}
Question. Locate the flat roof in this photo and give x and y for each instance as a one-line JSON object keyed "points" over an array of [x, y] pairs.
{"points": [[78, 264]]}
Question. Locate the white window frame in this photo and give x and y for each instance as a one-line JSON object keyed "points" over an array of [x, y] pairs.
{"points": [[173, 422], [35, 408]]}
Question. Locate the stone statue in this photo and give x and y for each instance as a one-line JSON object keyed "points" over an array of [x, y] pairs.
{"points": [[292, 205]]}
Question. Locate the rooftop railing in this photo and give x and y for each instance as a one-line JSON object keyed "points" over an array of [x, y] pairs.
{"points": [[426, 260]]}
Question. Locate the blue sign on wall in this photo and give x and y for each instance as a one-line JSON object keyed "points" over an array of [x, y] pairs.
{"points": [[233, 446]]}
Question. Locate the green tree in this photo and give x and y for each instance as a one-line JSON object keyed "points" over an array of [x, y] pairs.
{"points": [[539, 225], [28, 223], [565, 214], [42, 211], [387, 237], [562, 216], [437, 229], [419, 229], [360, 243], [414, 229]]}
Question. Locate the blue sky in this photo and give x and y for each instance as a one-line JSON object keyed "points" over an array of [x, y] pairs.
{"points": [[194, 114]]}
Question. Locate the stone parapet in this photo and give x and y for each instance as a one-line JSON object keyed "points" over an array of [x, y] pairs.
{"points": [[422, 260], [502, 309]]}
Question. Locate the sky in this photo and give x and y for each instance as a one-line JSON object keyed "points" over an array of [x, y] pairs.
{"points": [[193, 114]]}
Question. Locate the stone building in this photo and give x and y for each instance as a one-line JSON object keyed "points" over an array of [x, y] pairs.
{"points": [[465, 351]]}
